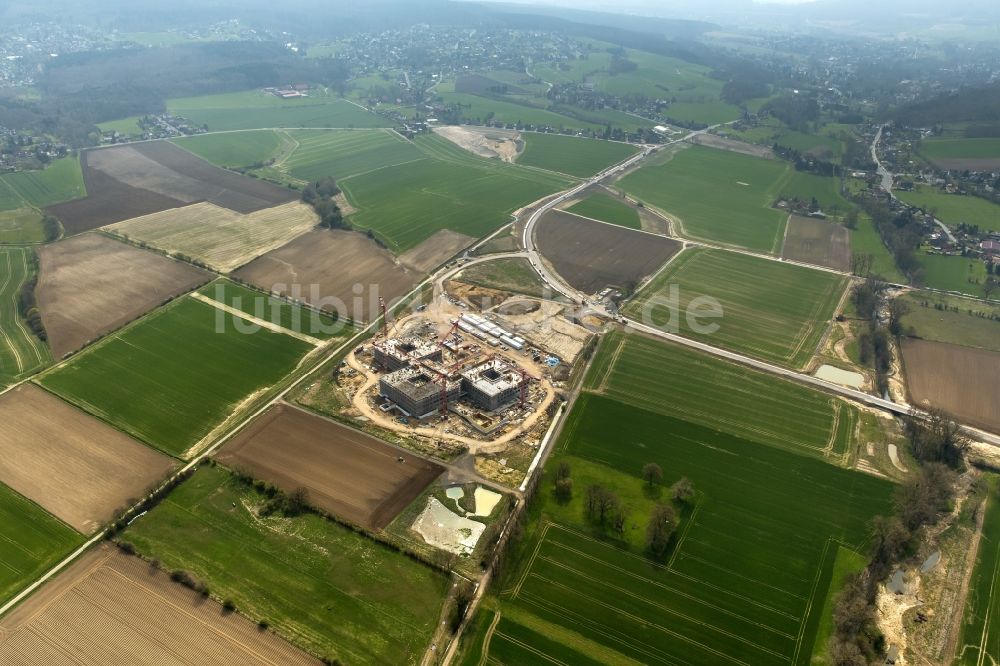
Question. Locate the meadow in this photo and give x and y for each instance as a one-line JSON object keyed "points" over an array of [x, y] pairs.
{"points": [[770, 310], [62, 180], [606, 208], [277, 310], [959, 321], [865, 240], [641, 371], [324, 587], [825, 189], [980, 639], [341, 154], [31, 541], [481, 109], [452, 189], [21, 352], [717, 195], [951, 272], [953, 149], [515, 275], [141, 378], [953, 209], [572, 155], [745, 580], [233, 149], [255, 109]]}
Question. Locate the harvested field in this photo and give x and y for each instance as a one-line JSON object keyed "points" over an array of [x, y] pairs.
{"points": [[818, 242], [961, 380], [326, 265], [436, 250], [219, 237], [348, 473], [107, 201], [163, 168], [76, 467], [592, 255], [90, 285], [111, 608]]}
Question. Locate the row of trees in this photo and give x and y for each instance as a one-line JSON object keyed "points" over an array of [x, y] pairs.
{"points": [[27, 305]]}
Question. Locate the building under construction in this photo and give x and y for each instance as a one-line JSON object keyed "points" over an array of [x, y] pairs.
{"points": [[420, 387], [393, 354], [493, 384], [419, 392]]}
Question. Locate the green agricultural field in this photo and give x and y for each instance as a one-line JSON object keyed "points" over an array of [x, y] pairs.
{"points": [[451, 189], [954, 209], [234, 149], [744, 582], [956, 149], [953, 273], [960, 321], [277, 311], [836, 575], [679, 382], [142, 378], [604, 207], [326, 588], [514, 275], [127, 126], [337, 154], [825, 189], [770, 310], [31, 542], [865, 240], [21, 352], [717, 195], [480, 109], [20, 225], [61, 180], [980, 641], [255, 109], [825, 146], [572, 155]]}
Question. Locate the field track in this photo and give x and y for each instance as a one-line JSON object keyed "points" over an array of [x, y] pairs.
{"points": [[20, 350]]}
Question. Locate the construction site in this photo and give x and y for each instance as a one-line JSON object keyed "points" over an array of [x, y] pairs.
{"points": [[476, 383]]}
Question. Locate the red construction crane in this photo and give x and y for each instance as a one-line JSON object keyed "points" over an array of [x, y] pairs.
{"points": [[447, 335]]}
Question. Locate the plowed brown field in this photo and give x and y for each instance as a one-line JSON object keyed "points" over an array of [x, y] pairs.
{"points": [[348, 473], [75, 466], [961, 380], [90, 285], [111, 609]]}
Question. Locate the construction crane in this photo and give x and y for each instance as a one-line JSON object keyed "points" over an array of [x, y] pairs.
{"points": [[525, 378], [385, 318], [447, 335]]}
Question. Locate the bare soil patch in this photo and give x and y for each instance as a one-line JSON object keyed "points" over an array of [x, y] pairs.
{"points": [[221, 238], [818, 242], [90, 285], [75, 466], [348, 473], [436, 250], [592, 255], [338, 271], [961, 380], [107, 201], [486, 142], [114, 609], [734, 145]]}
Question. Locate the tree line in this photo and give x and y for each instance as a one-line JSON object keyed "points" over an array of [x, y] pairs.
{"points": [[321, 195]]}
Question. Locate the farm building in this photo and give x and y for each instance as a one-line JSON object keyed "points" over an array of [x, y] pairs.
{"points": [[493, 384], [418, 391], [393, 354]]}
